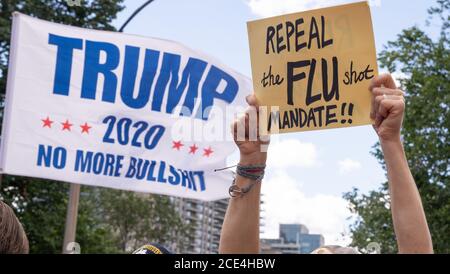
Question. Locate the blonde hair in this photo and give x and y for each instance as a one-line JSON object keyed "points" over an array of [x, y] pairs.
{"points": [[335, 249], [13, 239]]}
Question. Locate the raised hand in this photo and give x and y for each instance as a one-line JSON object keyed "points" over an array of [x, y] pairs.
{"points": [[252, 147], [388, 107]]}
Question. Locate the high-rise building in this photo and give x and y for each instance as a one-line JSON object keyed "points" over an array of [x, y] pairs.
{"points": [[310, 242], [290, 232], [293, 239], [206, 219]]}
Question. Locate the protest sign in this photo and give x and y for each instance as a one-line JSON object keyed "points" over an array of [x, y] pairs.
{"points": [[312, 69], [116, 110]]}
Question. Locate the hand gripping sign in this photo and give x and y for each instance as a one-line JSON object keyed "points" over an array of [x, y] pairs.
{"points": [[311, 70]]}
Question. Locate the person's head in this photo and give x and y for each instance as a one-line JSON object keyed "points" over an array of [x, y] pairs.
{"points": [[152, 248], [334, 249], [12, 236]]}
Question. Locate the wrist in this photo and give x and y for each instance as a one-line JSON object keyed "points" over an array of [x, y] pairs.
{"points": [[392, 146], [391, 141], [253, 159], [250, 170]]}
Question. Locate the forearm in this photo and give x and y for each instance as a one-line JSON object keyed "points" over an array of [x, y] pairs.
{"points": [[409, 219], [240, 230]]}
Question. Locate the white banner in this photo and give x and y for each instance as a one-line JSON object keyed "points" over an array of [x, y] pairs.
{"points": [[116, 110]]}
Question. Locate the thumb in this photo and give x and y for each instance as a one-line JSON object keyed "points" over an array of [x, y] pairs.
{"points": [[252, 101], [385, 80]]}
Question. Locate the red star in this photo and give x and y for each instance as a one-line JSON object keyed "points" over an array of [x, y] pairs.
{"points": [[66, 125], [177, 145], [85, 128], [207, 152], [47, 122], [193, 149]]}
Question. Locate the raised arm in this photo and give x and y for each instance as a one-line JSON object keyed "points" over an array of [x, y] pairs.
{"points": [[240, 230], [410, 224]]}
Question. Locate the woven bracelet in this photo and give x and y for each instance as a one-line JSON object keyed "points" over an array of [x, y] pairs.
{"points": [[252, 172]]}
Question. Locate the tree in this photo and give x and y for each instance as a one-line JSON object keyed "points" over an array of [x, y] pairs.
{"points": [[109, 221], [426, 65], [139, 219], [96, 14], [41, 204]]}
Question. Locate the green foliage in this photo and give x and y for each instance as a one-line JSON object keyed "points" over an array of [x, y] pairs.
{"points": [[96, 14], [142, 218], [425, 133], [41, 206], [109, 221], [374, 222]]}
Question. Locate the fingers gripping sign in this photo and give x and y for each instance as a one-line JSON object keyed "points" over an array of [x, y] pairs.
{"points": [[309, 70], [388, 106], [246, 132]]}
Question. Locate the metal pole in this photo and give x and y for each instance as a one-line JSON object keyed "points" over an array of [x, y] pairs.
{"points": [[74, 193], [134, 14], [71, 218]]}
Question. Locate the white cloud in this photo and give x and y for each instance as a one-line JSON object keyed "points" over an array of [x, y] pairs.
{"points": [[291, 153], [348, 165], [284, 202], [266, 8]]}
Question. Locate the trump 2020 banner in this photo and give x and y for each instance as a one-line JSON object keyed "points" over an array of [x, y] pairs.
{"points": [[116, 110]]}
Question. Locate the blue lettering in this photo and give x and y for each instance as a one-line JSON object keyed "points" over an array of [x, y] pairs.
{"points": [[93, 67], [83, 161], [172, 81], [142, 168], [192, 182], [184, 178], [174, 179], [44, 155], [129, 76], [56, 158], [98, 163], [170, 67], [64, 56], [151, 170], [162, 168], [201, 177], [131, 169], [97, 166], [210, 92]]}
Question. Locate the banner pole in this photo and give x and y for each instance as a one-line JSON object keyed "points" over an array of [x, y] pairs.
{"points": [[71, 218]]}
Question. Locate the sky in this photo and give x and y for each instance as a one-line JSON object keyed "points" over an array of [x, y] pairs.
{"points": [[307, 172]]}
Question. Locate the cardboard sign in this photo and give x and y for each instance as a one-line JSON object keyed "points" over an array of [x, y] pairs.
{"points": [[312, 69], [106, 109]]}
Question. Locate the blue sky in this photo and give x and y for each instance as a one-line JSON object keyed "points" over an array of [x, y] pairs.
{"points": [[311, 170]]}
